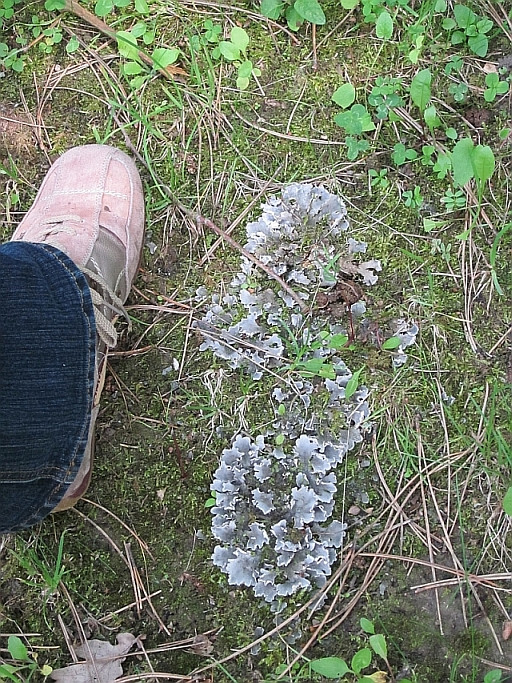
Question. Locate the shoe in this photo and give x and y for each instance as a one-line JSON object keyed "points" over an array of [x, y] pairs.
{"points": [[91, 207]]}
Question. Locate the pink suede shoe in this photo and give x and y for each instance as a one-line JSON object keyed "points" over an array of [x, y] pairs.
{"points": [[91, 206]]}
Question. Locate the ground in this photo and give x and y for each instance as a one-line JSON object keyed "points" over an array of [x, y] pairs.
{"points": [[428, 547]]}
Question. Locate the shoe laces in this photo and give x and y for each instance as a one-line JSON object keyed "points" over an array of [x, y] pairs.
{"points": [[104, 300]]}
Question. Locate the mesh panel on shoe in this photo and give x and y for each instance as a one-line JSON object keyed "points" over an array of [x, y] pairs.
{"points": [[106, 274]]}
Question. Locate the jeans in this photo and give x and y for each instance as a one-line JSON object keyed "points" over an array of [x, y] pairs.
{"points": [[47, 356]]}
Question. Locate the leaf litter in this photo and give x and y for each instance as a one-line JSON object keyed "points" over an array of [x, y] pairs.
{"points": [[103, 661]]}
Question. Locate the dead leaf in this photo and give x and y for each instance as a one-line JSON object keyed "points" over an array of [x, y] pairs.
{"points": [[507, 630], [192, 580], [378, 677], [202, 645], [490, 68], [102, 661]]}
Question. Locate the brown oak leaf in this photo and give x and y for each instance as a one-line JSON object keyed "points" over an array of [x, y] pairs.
{"points": [[102, 661]]}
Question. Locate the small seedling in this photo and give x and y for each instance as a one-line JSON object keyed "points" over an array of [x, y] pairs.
{"points": [[402, 154], [495, 87], [336, 668], [459, 91], [454, 200], [413, 199], [355, 120], [233, 50], [470, 161], [385, 96], [468, 26], [379, 178], [212, 500]]}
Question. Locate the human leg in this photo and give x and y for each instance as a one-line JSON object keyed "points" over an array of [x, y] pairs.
{"points": [[90, 209]]}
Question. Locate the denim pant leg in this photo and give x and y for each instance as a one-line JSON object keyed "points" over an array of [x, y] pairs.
{"points": [[47, 355]]}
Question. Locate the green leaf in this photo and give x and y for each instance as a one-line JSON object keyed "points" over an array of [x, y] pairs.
{"points": [[228, 50], [164, 56], [479, 44], [483, 162], [379, 646], [330, 667], [462, 161], [384, 26], [464, 16], [245, 69], [280, 439], [310, 10], [7, 671], [51, 5], [367, 625], [317, 366], [420, 88], [492, 79], [349, 4], [17, 649], [361, 659], [442, 165], [293, 18], [448, 24], [72, 45], [127, 45], [345, 95], [356, 120], [239, 38], [141, 6], [493, 676], [507, 502], [353, 383], [46, 670], [132, 68], [242, 82], [431, 118], [103, 7], [338, 341], [273, 9], [389, 345]]}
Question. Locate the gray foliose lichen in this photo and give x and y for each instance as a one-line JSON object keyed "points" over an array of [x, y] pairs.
{"points": [[275, 491]]}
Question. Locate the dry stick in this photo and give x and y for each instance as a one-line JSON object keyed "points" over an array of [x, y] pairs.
{"points": [[157, 675], [80, 628], [313, 40], [200, 220]]}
